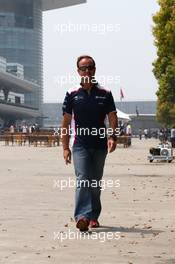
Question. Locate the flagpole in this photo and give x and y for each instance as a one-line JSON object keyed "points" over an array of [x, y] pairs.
{"points": [[121, 97]]}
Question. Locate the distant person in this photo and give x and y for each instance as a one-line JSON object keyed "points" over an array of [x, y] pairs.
{"points": [[128, 130], [122, 130], [146, 133], [173, 137], [33, 128], [156, 134], [24, 129], [166, 134], [12, 129], [140, 133], [162, 135], [37, 129], [30, 129], [149, 133], [19, 128]]}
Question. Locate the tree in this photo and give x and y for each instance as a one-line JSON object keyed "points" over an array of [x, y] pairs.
{"points": [[164, 65]]}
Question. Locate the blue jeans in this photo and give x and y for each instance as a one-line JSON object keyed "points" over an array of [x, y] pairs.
{"points": [[88, 165]]}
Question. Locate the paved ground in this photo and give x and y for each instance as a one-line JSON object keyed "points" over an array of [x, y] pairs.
{"points": [[138, 218]]}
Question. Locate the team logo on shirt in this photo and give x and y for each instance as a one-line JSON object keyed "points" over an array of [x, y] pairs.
{"points": [[78, 97], [100, 97]]}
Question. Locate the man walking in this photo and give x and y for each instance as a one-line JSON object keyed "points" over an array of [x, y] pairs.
{"points": [[88, 106], [173, 137]]}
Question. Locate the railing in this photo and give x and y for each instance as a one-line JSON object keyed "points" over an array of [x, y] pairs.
{"points": [[35, 139], [124, 140], [46, 138]]}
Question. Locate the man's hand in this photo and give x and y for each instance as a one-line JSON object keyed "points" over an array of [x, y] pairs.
{"points": [[111, 145], [113, 123], [67, 156], [65, 137]]}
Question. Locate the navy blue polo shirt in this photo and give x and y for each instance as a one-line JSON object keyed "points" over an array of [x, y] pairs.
{"points": [[89, 111]]}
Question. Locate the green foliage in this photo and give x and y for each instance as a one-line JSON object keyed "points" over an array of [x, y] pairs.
{"points": [[164, 65]]}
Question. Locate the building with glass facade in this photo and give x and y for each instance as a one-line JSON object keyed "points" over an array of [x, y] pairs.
{"points": [[3, 64], [21, 41]]}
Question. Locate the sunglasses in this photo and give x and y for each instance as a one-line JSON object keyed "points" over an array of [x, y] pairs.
{"points": [[84, 68]]}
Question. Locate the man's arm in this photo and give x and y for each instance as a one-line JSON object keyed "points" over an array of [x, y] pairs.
{"points": [[66, 137], [113, 123]]}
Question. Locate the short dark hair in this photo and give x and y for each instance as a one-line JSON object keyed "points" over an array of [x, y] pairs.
{"points": [[85, 57]]}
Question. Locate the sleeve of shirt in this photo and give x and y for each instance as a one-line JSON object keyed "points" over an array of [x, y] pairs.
{"points": [[110, 105], [67, 104]]}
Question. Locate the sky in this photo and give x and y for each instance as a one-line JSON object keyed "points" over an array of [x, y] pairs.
{"points": [[117, 34]]}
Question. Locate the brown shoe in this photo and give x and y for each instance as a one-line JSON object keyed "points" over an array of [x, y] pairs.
{"points": [[82, 224]]}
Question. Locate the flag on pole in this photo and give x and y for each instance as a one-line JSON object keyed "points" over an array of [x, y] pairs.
{"points": [[121, 94], [137, 111]]}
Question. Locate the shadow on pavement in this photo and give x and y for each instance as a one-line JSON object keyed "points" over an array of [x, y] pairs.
{"points": [[127, 230]]}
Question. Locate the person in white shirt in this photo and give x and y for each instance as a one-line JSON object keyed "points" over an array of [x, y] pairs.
{"points": [[173, 137]]}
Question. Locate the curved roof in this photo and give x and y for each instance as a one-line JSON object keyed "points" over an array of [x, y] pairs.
{"points": [[12, 110], [122, 115], [53, 4], [16, 84]]}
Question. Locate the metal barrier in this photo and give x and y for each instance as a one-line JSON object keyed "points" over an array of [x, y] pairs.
{"points": [[38, 139]]}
